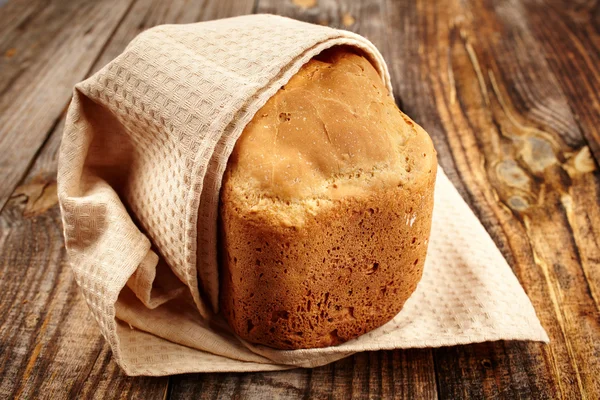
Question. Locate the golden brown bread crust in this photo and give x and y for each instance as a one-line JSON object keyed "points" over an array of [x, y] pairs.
{"points": [[325, 209]]}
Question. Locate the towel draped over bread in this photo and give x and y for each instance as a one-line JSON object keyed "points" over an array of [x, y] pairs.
{"points": [[145, 146]]}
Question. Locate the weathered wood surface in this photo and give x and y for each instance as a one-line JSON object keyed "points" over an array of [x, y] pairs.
{"points": [[509, 91]]}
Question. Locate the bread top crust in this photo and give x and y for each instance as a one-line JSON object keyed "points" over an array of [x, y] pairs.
{"points": [[332, 132]]}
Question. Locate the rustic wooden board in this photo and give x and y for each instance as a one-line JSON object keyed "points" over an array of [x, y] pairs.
{"points": [[507, 89], [515, 145], [372, 375], [44, 55]]}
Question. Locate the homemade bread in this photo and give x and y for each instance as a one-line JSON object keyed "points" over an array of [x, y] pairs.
{"points": [[325, 209]]}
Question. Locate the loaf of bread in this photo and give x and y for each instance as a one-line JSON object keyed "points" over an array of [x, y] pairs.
{"points": [[325, 209]]}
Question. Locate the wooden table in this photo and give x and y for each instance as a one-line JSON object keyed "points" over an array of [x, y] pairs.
{"points": [[509, 91]]}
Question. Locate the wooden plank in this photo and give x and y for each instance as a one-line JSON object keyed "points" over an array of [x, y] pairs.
{"points": [[569, 39], [372, 375], [15, 14], [50, 50], [568, 33], [472, 75], [508, 370], [49, 342]]}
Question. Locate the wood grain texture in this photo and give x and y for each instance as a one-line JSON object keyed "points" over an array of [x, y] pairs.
{"points": [[508, 90], [568, 32], [399, 374], [510, 142], [513, 138], [44, 55], [514, 143]]}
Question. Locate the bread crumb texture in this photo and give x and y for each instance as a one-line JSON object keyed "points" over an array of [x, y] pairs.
{"points": [[325, 209]]}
